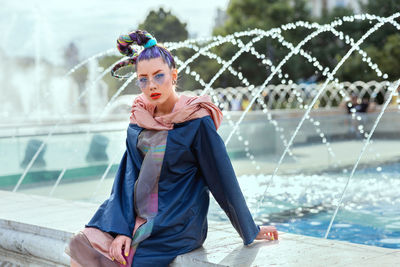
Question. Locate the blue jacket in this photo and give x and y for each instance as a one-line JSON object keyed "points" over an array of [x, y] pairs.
{"points": [[195, 162]]}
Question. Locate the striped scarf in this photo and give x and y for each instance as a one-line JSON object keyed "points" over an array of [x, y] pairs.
{"points": [[152, 145]]}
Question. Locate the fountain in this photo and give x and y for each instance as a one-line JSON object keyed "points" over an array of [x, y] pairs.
{"points": [[290, 199]]}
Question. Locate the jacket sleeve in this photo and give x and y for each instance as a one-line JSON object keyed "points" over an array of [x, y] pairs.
{"points": [[116, 215], [217, 170]]}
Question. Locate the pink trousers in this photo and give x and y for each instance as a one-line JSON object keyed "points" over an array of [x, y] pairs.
{"points": [[90, 248]]}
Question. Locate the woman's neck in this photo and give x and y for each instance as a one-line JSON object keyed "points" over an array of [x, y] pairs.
{"points": [[167, 106]]}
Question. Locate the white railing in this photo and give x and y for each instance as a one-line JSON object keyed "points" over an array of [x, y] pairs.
{"points": [[297, 96]]}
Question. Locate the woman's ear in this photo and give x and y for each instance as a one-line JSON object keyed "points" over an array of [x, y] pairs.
{"points": [[174, 74]]}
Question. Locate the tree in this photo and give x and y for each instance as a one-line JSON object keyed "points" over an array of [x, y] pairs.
{"points": [[327, 48], [381, 46], [384, 9], [165, 26], [250, 14], [388, 57]]}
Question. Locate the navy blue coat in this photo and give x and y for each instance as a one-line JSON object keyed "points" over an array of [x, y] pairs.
{"points": [[195, 162]]}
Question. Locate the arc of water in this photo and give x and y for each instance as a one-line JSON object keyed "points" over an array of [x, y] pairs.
{"points": [[348, 40], [114, 160], [387, 102], [109, 166], [297, 49], [110, 102], [77, 66], [208, 86], [340, 34], [229, 37], [37, 42], [86, 90], [58, 181], [29, 166], [245, 82], [73, 69], [191, 59], [84, 62], [313, 102], [48, 137], [369, 32], [306, 55], [292, 52], [113, 98], [50, 134], [219, 39], [201, 81]]}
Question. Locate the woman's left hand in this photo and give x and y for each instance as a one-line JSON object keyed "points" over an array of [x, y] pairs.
{"points": [[267, 232]]}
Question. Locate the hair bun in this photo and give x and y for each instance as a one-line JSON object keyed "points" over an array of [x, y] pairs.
{"points": [[124, 43], [139, 37]]}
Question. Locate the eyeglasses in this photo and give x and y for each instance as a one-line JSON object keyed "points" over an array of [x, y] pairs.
{"points": [[143, 82]]}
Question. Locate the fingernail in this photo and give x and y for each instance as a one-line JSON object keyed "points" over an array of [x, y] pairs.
{"points": [[273, 238], [112, 258], [124, 263], [126, 254]]}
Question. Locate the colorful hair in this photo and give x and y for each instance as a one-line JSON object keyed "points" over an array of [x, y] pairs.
{"points": [[151, 50]]}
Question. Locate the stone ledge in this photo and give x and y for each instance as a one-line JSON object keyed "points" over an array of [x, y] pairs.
{"points": [[38, 244], [33, 245]]}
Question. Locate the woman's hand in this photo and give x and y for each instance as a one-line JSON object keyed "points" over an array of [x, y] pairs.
{"points": [[120, 242], [267, 232]]}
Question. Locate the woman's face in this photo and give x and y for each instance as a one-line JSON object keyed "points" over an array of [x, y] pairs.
{"points": [[155, 80]]}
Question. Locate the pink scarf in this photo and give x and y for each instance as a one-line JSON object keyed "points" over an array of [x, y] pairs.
{"points": [[187, 108]]}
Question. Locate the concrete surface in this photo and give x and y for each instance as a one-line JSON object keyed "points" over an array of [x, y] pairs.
{"points": [[34, 231]]}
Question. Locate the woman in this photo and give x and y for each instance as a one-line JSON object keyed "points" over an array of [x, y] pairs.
{"points": [[174, 156]]}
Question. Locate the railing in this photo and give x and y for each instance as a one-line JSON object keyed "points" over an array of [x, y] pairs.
{"points": [[298, 96]]}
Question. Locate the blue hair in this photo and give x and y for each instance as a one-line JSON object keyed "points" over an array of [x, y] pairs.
{"points": [[157, 51]]}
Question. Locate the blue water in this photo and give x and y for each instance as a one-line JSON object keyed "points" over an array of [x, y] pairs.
{"points": [[304, 204], [344, 230]]}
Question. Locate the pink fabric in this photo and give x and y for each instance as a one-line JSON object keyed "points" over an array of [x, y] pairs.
{"points": [[187, 108], [101, 242]]}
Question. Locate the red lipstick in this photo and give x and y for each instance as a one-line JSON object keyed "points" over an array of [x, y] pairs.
{"points": [[155, 95]]}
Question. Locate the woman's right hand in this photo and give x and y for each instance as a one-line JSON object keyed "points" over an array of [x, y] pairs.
{"points": [[267, 232], [119, 243]]}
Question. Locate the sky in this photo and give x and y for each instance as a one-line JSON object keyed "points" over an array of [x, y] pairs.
{"points": [[94, 25]]}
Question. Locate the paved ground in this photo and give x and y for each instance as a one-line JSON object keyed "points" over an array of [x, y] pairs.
{"points": [[223, 246], [316, 158]]}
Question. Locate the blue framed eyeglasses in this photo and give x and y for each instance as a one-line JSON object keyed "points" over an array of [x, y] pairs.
{"points": [[143, 82]]}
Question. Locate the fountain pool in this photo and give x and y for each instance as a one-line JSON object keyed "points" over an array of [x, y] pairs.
{"points": [[304, 204]]}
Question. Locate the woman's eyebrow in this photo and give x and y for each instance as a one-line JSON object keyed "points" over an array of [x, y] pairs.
{"points": [[157, 72], [140, 75]]}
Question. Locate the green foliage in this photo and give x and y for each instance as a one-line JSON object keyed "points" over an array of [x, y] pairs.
{"points": [[381, 46], [165, 26], [381, 8], [388, 58], [250, 14], [328, 49]]}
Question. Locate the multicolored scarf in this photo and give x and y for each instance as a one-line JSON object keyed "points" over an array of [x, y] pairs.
{"points": [[187, 108], [152, 145]]}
